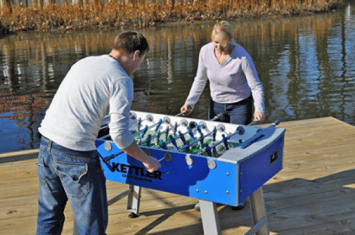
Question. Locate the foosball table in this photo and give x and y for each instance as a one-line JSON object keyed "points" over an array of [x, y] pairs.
{"points": [[208, 160]]}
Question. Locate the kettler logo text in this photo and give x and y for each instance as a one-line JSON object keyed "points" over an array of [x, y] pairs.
{"points": [[136, 172]]}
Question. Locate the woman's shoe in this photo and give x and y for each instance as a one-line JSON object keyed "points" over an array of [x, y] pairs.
{"points": [[197, 207], [239, 207]]}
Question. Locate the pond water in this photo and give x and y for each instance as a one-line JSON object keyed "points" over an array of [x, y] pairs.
{"points": [[306, 64]]}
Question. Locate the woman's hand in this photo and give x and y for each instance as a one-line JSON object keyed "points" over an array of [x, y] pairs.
{"points": [[259, 116], [186, 110]]}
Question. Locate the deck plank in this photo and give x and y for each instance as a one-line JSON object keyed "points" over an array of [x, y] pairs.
{"points": [[313, 194]]}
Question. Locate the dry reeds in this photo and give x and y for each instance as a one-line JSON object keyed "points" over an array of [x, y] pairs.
{"points": [[145, 13]]}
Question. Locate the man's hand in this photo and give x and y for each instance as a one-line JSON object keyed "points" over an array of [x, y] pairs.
{"points": [[151, 163]]}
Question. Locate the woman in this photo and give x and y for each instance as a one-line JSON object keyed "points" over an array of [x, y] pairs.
{"points": [[234, 82]]}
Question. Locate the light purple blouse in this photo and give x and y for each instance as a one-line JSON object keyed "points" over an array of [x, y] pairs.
{"points": [[231, 81]]}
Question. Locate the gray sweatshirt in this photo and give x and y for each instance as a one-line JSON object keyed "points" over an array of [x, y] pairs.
{"points": [[231, 81], [94, 87]]}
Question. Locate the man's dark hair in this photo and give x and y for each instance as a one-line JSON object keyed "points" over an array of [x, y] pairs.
{"points": [[131, 42]]}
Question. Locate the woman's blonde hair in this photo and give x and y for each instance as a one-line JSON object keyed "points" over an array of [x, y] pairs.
{"points": [[225, 32]]}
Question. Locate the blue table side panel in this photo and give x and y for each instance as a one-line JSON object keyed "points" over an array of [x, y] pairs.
{"points": [[197, 181], [256, 171]]}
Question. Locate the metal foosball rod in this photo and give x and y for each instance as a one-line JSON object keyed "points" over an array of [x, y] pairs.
{"points": [[105, 126], [146, 128], [240, 131], [164, 145], [172, 139], [186, 144], [179, 114], [150, 118], [253, 122], [106, 159], [224, 141], [184, 123], [158, 133], [149, 138], [156, 136], [142, 132], [217, 117], [190, 132], [200, 139]]}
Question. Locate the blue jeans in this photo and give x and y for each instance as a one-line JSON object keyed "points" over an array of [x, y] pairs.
{"points": [[75, 175], [236, 113]]}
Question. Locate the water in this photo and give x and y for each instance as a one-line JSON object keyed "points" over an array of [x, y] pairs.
{"points": [[305, 63]]}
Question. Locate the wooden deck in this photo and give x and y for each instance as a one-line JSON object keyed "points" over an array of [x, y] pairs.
{"points": [[313, 194]]}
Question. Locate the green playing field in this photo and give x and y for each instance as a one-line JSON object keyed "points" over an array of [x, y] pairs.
{"points": [[150, 140]]}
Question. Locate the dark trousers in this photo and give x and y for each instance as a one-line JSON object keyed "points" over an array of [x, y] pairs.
{"points": [[237, 113]]}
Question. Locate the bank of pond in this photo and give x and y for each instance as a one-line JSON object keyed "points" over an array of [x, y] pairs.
{"points": [[62, 15]]}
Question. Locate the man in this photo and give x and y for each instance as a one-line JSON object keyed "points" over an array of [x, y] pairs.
{"points": [[68, 163]]}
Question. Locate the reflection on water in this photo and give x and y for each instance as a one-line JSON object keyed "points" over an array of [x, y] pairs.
{"points": [[306, 65]]}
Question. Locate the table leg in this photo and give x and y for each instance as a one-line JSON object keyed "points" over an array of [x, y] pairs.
{"points": [[134, 197], [210, 221], [258, 212]]}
